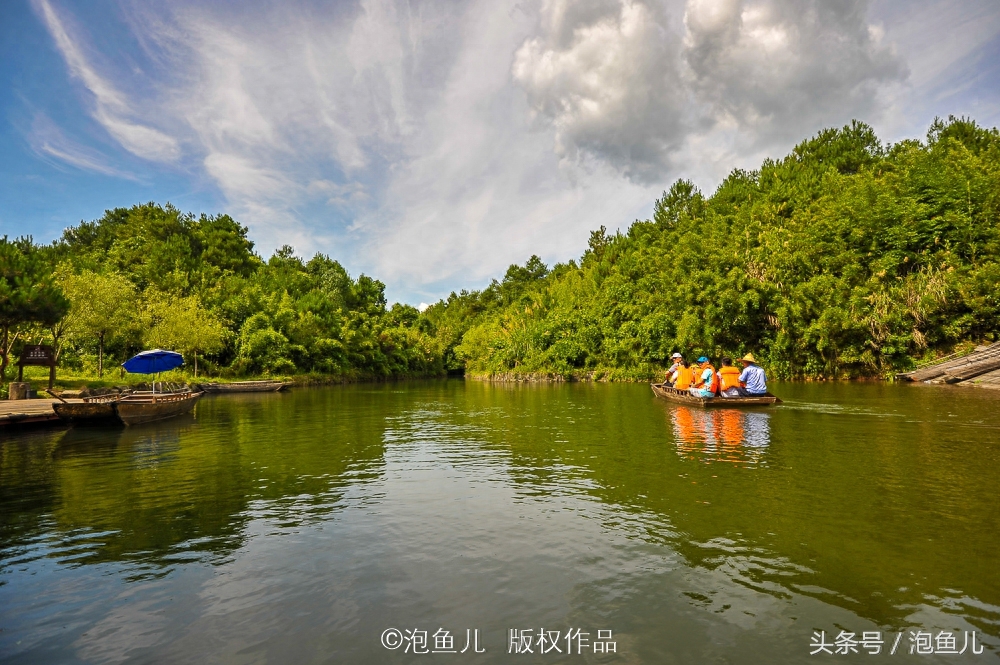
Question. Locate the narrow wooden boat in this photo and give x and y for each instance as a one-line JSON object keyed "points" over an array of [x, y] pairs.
{"points": [[137, 408], [246, 387], [684, 397], [85, 412], [97, 409]]}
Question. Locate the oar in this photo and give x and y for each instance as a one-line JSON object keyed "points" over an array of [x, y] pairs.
{"points": [[56, 396]]}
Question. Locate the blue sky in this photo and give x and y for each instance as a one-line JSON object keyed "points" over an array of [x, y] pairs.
{"points": [[432, 143]]}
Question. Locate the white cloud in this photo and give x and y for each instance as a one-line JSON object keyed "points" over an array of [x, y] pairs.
{"points": [[785, 68], [111, 108], [618, 81], [47, 140], [605, 73], [477, 188]]}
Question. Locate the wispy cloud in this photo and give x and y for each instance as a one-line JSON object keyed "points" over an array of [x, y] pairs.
{"points": [[111, 108], [48, 141]]}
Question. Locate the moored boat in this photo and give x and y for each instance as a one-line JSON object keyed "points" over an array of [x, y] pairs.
{"points": [[86, 411], [138, 408], [685, 397], [245, 387], [92, 408]]}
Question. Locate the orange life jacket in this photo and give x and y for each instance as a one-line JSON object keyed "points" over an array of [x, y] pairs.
{"points": [[713, 385], [729, 377], [684, 378]]}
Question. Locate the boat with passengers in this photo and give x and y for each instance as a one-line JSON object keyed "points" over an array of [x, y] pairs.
{"points": [[685, 397]]}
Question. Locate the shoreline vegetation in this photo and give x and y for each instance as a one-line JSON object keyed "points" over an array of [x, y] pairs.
{"points": [[847, 259]]}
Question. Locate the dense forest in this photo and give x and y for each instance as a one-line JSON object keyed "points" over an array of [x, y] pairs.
{"points": [[847, 258], [152, 277]]}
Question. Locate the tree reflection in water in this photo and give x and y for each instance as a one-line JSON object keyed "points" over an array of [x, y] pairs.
{"points": [[721, 435]]}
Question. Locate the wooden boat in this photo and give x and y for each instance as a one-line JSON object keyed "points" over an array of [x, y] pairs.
{"points": [[684, 397], [100, 408], [85, 412], [246, 387], [137, 408]]}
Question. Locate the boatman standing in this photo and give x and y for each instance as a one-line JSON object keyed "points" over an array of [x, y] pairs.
{"points": [[753, 381]]}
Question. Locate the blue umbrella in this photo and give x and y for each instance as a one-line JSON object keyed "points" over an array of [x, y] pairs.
{"points": [[152, 362]]}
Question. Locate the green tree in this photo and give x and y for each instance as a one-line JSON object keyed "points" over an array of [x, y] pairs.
{"points": [[103, 308], [27, 293], [262, 348], [181, 324]]}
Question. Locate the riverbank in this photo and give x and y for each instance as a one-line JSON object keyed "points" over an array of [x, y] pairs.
{"points": [[625, 377], [993, 383], [605, 375], [969, 366], [66, 380]]}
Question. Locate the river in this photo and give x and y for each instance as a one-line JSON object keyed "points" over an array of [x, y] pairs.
{"points": [[362, 523]]}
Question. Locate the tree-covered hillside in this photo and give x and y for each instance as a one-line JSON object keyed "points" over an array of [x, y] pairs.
{"points": [[150, 276], [846, 258]]}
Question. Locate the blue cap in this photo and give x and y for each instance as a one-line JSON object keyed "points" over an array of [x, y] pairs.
{"points": [[703, 359]]}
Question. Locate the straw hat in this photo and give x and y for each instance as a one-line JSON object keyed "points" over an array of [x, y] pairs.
{"points": [[748, 358]]}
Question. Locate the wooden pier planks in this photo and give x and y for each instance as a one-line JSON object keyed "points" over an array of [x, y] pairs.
{"points": [[972, 370], [954, 370], [987, 380], [26, 411]]}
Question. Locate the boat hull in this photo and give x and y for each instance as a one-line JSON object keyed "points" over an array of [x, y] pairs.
{"points": [[135, 410], [245, 387], [85, 412], [684, 397]]}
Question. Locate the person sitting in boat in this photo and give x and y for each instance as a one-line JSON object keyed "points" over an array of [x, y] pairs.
{"points": [[707, 382], [683, 376], [672, 372], [753, 381], [729, 379]]}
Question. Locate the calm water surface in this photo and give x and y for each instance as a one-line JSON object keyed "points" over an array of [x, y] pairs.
{"points": [[297, 528]]}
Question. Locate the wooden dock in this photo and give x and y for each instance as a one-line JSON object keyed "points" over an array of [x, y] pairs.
{"points": [[27, 412], [980, 368], [988, 380]]}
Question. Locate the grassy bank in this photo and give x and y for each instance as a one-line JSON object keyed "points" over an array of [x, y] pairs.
{"points": [[70, 380]]}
